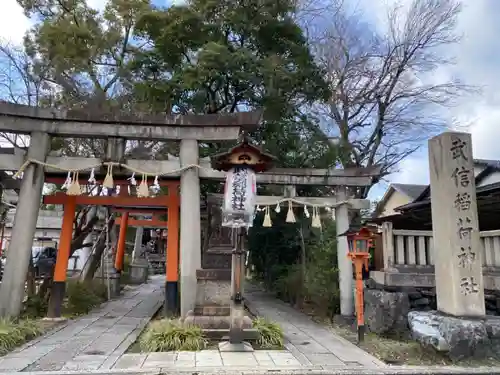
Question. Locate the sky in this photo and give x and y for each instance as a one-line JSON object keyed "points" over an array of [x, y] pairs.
{"points": [[478, 63]]}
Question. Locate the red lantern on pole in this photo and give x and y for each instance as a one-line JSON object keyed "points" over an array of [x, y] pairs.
{"points": [[359, 243]]}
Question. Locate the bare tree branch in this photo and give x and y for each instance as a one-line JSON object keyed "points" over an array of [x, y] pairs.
{"points": [[386, 98]]}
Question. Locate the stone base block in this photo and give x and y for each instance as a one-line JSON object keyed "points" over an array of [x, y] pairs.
{"points": [[215, 322], [213, 287], [227, 346], [458, 338], [212, 310], [249, 334], [139, 273], [385, 312]]}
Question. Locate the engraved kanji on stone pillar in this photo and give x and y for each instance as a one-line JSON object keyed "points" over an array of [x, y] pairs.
{"points": [[457, 248]]}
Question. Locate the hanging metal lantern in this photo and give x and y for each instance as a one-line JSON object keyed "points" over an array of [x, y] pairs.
{"points": [[240, 191]]}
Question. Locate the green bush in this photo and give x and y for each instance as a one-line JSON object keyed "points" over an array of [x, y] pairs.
{"points": [[270, 334], [13, 334], [35, 307], [167, 335], [322, 279], [289, 284], [81, 297]]}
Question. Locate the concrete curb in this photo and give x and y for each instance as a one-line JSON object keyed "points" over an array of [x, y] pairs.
{"points": [[393, 370]]}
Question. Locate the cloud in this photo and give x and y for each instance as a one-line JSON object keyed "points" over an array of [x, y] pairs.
{"points": [[477, 63], [13, 22]]}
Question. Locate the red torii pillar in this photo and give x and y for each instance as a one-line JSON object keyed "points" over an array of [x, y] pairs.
{"points": [[120, 248], [172, 256], [59, 284]]}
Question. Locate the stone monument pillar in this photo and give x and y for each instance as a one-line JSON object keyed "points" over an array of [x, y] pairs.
{"points": [[457, 250]]}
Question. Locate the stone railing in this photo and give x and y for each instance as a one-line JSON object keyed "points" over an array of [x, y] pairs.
{"points": [[411, 248]]}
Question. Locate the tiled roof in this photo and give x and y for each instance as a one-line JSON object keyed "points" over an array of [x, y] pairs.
{"points": [[411, 190]]}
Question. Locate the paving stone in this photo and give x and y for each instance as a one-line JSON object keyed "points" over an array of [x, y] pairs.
{"points": [[239, 359], [263, 358], [14, 364], [160, 359], [325, 359], [285, 359], [208, 358], [45, 366], [106, 343], [85, 363], [110, 361], [128, 361], [33, 352], [185, 359], [301, 357]]}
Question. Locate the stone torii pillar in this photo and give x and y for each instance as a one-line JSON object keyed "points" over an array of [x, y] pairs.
{"points": [[190, 241], [346, 283], [18, 257]]}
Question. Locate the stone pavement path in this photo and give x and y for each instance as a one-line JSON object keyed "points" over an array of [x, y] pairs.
{"points": [[99, 341], [309, 342], [93, 341]]}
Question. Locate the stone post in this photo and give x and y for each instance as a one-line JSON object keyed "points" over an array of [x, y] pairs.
{"points": [[18, 257], [86, 252], [345, 264], [458, 256], [388, 246], [190, 241], [139, 231]]}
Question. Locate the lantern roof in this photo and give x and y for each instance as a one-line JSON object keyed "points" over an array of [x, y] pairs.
{"points": [[357, 231], [243, 154]]}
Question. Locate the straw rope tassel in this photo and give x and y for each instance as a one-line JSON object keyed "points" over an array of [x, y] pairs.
{"points": [[290, 217], [108, 180], [267, 219], [75, 188], [143, 190], [306, 212], [67, 182], [316, 221]]}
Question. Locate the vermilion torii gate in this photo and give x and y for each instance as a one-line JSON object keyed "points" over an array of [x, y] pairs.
{"points": [[169, 202]]}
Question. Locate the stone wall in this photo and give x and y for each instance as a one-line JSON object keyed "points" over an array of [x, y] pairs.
{"points": [[387, 307]]}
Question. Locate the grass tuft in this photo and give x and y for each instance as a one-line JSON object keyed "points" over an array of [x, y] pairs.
{"points": [[270, 334], [13, 333], [167, 335]]}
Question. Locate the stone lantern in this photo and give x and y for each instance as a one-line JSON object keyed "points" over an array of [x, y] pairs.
{"points": [[241, 163]]}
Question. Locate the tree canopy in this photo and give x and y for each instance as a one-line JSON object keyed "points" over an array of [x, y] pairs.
{"points": [[307, 64]]}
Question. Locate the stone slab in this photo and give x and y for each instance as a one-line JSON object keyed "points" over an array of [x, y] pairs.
{"points": [[208, 358], [242, 359], [130, 361], [160, 359]]}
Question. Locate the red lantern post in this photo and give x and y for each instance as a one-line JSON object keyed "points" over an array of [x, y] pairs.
{"points": [[359, 242]]}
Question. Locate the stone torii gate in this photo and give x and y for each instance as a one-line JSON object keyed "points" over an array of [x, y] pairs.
{"points": [[42, 124]]}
